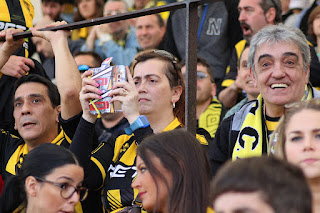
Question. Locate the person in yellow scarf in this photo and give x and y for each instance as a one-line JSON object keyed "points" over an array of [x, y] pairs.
{"points": [[279, 60], [209, 110]]}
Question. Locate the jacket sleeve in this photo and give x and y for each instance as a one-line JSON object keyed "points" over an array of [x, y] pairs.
{"points": [[233, 71], [234, 29], [314, 68], [168, 39], [95, 164], [219, 148]]}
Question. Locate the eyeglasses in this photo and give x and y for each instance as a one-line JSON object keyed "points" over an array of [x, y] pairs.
{"points": [[200, 75], [83, 68], [67, 190]]}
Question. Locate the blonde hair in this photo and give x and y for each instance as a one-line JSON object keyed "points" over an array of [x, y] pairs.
{"points": [[278, 137]]}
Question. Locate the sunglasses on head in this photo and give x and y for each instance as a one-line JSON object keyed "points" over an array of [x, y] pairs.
{"points": [[83, 68]]}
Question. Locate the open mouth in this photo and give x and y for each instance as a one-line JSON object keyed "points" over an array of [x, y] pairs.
{"points": [[279, 86], [27, 124], [245, 28]]}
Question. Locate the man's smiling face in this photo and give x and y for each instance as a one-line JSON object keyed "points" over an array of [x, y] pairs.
{"points": [[279, 73]]}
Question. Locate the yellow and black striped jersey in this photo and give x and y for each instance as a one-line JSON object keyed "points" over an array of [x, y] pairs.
{"points": [[111, 165], [13, 149], [17, 14]]}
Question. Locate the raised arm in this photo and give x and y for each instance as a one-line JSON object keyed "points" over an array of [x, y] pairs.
{"points": [[8, 47], [66, 72]]}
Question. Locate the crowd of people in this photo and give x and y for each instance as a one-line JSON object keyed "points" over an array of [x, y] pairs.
{"points": [[257, 101]]}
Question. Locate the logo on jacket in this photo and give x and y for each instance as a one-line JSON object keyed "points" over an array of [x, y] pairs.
{"points": [[214, 26]]}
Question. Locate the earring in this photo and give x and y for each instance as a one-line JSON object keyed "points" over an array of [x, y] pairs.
{"points": [[174, 105]]}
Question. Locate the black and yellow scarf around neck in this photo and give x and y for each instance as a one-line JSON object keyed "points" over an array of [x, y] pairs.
{"points": [[252, 138]]}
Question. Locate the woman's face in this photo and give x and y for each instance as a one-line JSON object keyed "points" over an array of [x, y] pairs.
{"points": [[316, 25], [155, 96], [147, 186], [302, 145], [87, 8], [46, 197]]}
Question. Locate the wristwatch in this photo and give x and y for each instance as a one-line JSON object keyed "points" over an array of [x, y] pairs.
{"points": [[140, 122]]}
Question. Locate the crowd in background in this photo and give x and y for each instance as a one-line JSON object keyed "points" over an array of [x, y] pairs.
{"points": [[257, 138]]}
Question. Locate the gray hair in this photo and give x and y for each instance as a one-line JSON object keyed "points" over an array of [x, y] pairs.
{"points": [[277, 34], [124, 2]]}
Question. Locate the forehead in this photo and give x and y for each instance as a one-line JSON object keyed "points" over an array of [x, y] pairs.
{"points": [[200, 67], [84, 59], [309, 117], [28, 88], [249, 3], [139, 160], [116, 5], [38, 40], [277, 50], [70, 171], [147, 20], [244, 55], [152, 66], [50, 3], [242, 202]]}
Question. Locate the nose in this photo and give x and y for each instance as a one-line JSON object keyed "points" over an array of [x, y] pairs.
{"points": [[26, 109], [242, 16], [278, 71], [136, 183], [142, 87], [38, 47], [74, 199], [308, 143], [46, 10], [144, 31]]}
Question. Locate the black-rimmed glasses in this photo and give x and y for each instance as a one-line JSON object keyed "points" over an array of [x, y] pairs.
{"points": [[67, 190]]}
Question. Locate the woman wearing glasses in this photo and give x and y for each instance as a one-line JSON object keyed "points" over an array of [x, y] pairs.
{"points": [[297, 139], [49, 180], [153, 102]]}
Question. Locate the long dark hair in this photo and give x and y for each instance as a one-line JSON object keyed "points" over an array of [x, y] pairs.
{"points": [[173, 73], [99, 10], [182, 155], [40, 162]]}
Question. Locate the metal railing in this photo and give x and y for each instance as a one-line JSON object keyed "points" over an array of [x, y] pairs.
{"points": [[192, 21]]}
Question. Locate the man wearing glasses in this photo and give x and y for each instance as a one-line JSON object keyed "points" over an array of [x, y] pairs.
{"points": [[209, 109]]}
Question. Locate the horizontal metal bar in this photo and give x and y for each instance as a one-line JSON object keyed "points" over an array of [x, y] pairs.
{"points": [[114, 18]]}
